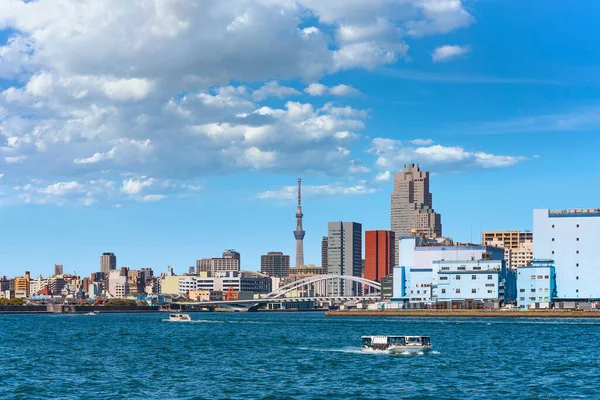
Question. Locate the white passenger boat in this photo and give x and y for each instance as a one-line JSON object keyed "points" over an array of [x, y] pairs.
{"points": [[179, 318], [92, 313], [397, 344]]}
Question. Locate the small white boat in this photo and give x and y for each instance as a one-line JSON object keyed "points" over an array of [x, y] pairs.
{"points": [[179, 318], [92, 313], [397, 344]]}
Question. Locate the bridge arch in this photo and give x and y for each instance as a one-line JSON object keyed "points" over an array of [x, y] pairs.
{"points": [[302, 283]]}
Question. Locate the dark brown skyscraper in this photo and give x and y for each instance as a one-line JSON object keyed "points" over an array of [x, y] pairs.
{"points": [[275, 264]]}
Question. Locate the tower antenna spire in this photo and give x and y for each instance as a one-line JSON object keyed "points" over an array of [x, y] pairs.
{"points": [[299, 232]]}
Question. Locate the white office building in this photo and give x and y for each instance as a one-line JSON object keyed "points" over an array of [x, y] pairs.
{"points": [[570, 238]]}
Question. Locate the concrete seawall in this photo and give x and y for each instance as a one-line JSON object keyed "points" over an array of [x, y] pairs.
{"points": [[71, 309], [467, 314]]}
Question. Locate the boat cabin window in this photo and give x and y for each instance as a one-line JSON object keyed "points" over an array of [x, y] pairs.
{"points": [[397, 341], [366, 341], [414, 340], [426, 341]]}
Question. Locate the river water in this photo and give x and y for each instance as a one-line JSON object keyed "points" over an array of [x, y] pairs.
{"points": [[293, 356]]}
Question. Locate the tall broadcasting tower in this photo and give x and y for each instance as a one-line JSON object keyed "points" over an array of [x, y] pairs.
{"points": [[299, 233]]}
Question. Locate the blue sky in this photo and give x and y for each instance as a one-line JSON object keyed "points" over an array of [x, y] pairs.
{"points": [[169, 134]]}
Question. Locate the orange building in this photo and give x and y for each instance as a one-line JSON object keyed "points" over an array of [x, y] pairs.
{"points": [[379, 254]]}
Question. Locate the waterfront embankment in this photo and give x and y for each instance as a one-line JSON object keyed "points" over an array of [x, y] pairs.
{"points": [[68, 309], [467, 313]]}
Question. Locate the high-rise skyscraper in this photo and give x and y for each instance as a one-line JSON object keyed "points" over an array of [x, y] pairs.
{"points": [[58, 269], [411, 205], [380, 254], [299, 232], [344, 256], [275, 263], [108, 262], [324, 252]]}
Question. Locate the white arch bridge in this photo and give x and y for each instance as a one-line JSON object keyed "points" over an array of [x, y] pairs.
{"points": [[319, 288]]}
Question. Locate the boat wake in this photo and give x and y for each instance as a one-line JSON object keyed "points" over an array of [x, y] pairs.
{"points": [[196, 321], [368, 351]]}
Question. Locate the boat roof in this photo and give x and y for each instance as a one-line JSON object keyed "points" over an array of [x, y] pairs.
{"points": [[395, 336]]}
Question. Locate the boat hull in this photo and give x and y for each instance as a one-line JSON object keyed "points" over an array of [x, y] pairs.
{"points": [[409, 349]]}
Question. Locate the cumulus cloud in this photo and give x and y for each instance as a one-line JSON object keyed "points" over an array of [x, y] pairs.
{"points": [[446, 53], [273, 89], [318, 89], [155, 97], [383, 176], [393, 154], [134, 186]]}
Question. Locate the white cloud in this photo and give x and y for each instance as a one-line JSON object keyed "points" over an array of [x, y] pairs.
{"points": [[421, 142], [383, 176], [151, 198], [154, 97], [336, 189], [393, 154], [15, 159], [318, 89], [446, 53], [273, 89], [132, 186]]}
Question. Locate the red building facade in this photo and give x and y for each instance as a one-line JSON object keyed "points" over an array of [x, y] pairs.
{"points": [[379, 254]]}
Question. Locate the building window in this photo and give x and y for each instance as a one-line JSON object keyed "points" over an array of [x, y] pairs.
{"points": [[490, 291], [532, 276], [578, 225], [578, 239], [552, 251], [445, 268], [476, 268], [552, 226], [443, 290], [532, 298], [577, 265], [521, 290], [492, 285], [522, 298], [458, 277], [576, 290], [533, 290], [539, 277], [473, 290], [490, 277], [577, 277], [577, 252], [462, 268], [546, 277], [457, 290], [443, 278], [553, 239], [473, 276]]}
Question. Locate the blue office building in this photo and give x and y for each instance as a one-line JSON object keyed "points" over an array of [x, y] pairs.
{"points": [[478, 280], [536, 284]]}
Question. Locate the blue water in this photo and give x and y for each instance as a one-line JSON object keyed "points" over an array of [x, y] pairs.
{"points": [[293, 356]]}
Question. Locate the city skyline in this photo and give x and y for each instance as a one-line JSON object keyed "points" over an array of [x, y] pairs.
{"points": [[163, 163]]}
